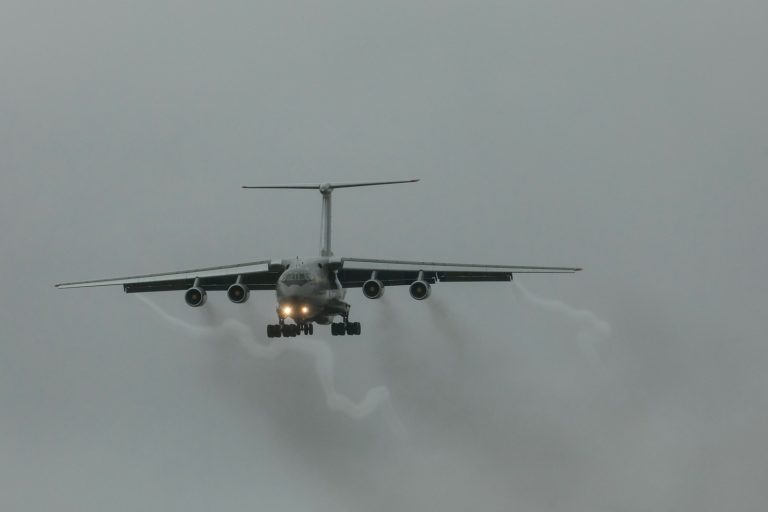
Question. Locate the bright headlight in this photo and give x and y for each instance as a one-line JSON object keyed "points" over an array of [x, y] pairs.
{"points": [[287, 310], [305, 309]]}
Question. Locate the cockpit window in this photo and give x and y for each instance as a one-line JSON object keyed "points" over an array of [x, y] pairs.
{"points": [[296, 277]]}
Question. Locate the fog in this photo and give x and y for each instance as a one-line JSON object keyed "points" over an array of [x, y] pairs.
{"points": [[628, 138]]}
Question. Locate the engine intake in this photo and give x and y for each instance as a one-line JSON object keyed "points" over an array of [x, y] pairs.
{"points": [[420, 290], [195, 297], [238, 293], [373, 289]]}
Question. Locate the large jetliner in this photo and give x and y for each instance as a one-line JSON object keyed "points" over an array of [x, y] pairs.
{"points": [[312, 290]]}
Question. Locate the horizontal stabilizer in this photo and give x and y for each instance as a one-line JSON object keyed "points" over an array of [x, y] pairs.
{"points": [[331, 186]]}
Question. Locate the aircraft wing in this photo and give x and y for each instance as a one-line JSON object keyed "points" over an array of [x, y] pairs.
{"points": [[257, 275], [353, 272]]}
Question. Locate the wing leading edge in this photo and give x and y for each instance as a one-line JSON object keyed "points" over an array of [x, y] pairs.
{"points": [[353, 272], [257, 275]]}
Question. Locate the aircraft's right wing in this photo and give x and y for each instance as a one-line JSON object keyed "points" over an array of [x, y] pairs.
{"points": [[353, 272], [256, 275]]}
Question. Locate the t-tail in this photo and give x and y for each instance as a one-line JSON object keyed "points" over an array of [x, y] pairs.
{"points": [[326, 189]]}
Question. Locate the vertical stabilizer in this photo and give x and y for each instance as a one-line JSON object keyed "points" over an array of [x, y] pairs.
{"points": [[325, 224], [326, 189]]}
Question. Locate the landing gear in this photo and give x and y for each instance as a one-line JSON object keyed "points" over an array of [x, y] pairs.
{"points": [[289, 330], [346, 327]]}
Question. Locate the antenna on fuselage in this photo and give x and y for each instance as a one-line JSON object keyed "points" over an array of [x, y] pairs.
{"points": [[326, 189]]}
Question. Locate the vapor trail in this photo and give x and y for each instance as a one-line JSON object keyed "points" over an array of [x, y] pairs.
{"points": [[318, 350], [592, 330]]}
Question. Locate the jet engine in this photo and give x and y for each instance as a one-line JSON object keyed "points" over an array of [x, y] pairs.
{"points": [[420, 290], [195, 297], [238, 293], [373, 289]]}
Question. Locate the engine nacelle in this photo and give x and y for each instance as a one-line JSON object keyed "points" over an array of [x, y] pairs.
{"points": [[238, 293], [195, 297], [420, 290], [373, 289]]}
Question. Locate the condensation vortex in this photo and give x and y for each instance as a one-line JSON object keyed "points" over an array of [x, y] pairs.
{"points": [[377, 398], [592, 330]]}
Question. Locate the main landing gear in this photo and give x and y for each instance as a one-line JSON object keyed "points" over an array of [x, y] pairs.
{"points": [[289, 330], [283, 330], [345, 327]]}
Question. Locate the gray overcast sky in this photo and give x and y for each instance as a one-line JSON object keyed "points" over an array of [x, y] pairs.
{"points": [[626, 137]]}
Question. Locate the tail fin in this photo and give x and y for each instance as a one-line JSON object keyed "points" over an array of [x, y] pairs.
{"points": [[326, 189]]}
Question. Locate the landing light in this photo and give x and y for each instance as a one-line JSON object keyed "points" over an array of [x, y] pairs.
{"points": [[304, 309], [287, 310]]}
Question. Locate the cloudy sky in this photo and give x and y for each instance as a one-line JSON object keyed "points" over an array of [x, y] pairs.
{"points": [[629, 138]]}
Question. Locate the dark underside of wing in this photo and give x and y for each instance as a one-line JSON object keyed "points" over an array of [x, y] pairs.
{"points": [[354, 278], [254, 281]]}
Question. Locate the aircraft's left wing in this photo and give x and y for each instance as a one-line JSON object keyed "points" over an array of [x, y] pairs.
{"points": [[353, 272], [256, 275]]}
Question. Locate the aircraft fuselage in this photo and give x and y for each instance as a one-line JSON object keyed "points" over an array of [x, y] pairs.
{"points": [[310, 291]]}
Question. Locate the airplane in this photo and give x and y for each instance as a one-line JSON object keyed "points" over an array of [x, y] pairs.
{"points": [[312, 290]]}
